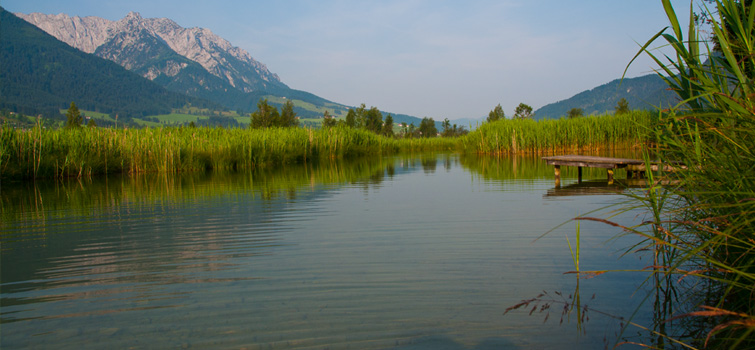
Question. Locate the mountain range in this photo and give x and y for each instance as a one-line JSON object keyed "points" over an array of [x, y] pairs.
{"points": [[192, 61], [198, 63], [41, 75]]}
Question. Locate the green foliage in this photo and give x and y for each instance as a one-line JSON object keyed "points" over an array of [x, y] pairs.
{"points": [[511, 136], [708, 228], [446, 128], [351, 118], [496, 114], [373, 120], [622, 107], [42, 152], [427, 128], [73, 116], [523, 111], [388, 126], [575, 113], [328, 121], [266, 116], [288, 116]]}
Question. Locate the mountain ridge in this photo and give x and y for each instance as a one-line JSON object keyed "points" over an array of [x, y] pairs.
{"points": [[41, 75], [215, 54], [199, 63], [192, 61], [645, 93]]}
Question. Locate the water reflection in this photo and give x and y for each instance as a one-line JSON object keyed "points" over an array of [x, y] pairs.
{"points": [[597, 187], [377, 253]]}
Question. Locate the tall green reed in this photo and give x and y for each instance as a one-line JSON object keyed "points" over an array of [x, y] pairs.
{"points": [[41, 152], [703, 229], [587, 134]]}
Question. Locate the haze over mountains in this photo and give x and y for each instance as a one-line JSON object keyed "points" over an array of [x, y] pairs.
{"points": [[198, 63]]}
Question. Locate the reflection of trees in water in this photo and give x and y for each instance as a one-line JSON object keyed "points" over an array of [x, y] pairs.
{"points": [[429, 164]]}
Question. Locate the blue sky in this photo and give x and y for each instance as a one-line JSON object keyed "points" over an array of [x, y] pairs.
{"points": [[441, 59]]}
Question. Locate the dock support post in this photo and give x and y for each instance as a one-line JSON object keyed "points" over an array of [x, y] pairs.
{"points": [[557, 172], [579, 174]]}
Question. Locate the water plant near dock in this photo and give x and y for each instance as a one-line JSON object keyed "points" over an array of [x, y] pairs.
{"points": [[701, 230], [709, 234]]}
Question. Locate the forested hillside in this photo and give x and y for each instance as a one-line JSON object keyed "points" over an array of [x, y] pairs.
{"points": [[643, 93]]}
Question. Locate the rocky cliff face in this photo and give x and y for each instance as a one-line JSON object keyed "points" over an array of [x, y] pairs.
{"points": [[187, 60]]}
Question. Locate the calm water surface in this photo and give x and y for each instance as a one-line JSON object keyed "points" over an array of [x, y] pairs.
{"points": [[409, 252]]}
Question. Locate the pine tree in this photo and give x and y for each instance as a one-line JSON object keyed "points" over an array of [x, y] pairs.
{"points": [[73, 116], [388, 126], [622, 107], [288, 116]]}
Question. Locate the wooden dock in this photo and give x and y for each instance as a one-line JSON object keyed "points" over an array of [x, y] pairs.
{"points": [[634, 167]]}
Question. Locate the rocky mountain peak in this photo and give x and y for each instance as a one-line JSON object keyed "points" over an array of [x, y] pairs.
{"points": [[132, 40], [133, 15]]}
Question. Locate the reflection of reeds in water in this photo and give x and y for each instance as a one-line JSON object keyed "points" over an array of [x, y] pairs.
{"points": [[35, 200]]}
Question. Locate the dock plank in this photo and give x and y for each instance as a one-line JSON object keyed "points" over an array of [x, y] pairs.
{"points": [[608, 163], [591, 161], [632, 166]]}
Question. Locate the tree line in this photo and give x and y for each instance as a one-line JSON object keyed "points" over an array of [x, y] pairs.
{"points": [[372, 120], [524, 111], [268, 116]]}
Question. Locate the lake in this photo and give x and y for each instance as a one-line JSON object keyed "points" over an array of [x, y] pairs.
{"points": [[419, 251]]}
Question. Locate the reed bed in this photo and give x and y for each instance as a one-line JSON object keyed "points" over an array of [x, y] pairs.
{"points": [[429, 144], [44, 153], [550, 136], [702, 231], [40, 152]]}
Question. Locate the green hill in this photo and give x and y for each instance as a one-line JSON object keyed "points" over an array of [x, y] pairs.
{"points": [[643, 93]]}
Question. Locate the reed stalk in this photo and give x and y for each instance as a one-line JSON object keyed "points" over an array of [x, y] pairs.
{"points": [[702, 230]]}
